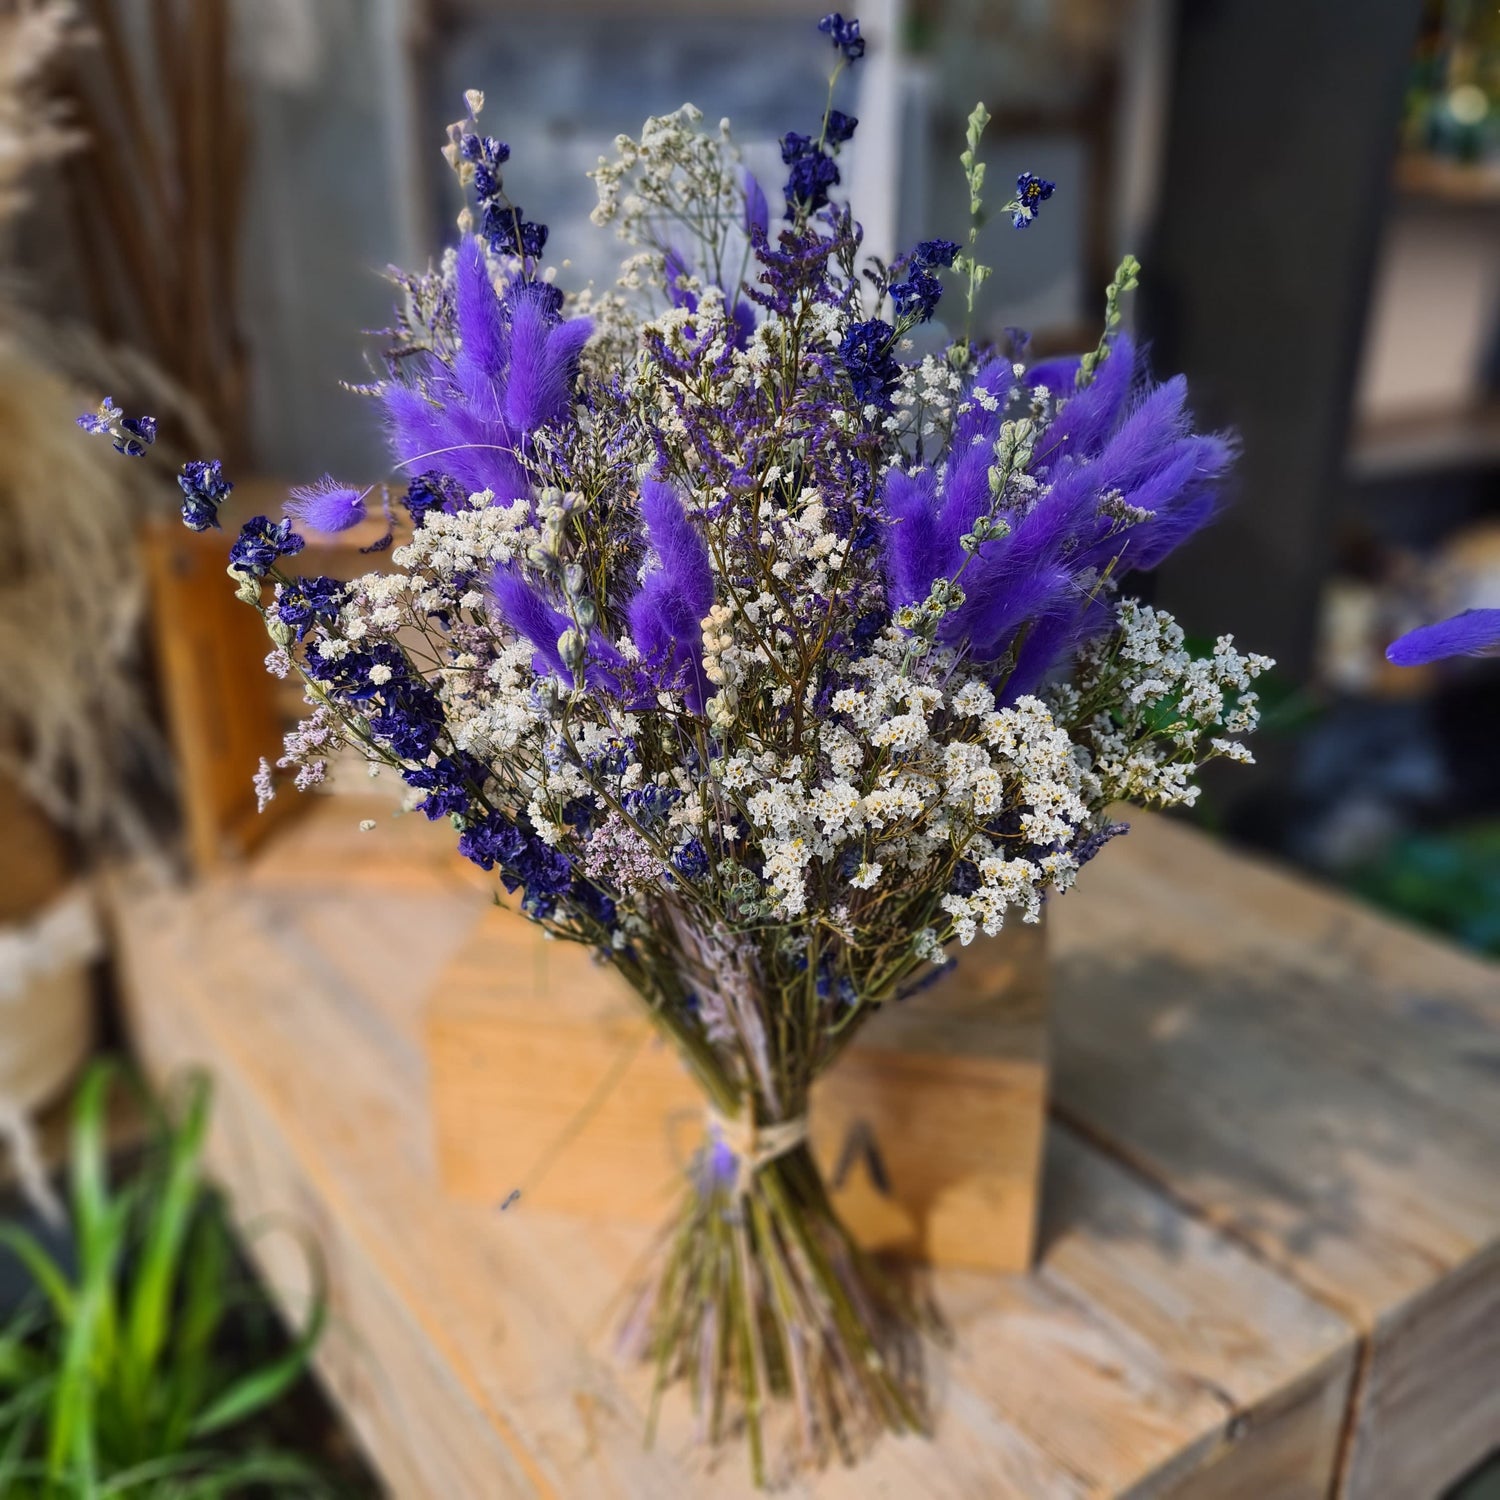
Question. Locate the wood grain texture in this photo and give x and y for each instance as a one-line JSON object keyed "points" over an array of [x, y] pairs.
{"points": [[1147, 1354], [221, 708], [547, 1078], [1321, 1084]]}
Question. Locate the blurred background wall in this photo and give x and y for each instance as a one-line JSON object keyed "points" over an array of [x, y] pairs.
{"points": [[1313, 187]]}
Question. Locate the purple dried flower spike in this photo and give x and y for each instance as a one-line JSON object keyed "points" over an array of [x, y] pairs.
{"points": [[513, 373], [665, 616], [1128, 482], [1475, 632]]}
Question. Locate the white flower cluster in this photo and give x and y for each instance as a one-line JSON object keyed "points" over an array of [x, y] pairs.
{"points": [[1145, 710], [471, 540], [913, 769], [674, 174], [926, 399]]}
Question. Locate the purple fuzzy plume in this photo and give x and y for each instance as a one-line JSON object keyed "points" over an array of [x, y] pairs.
{"points": [[327, 506], [531, 617], [527, 611], [1475, 632], [543, 360], [914, 556], [757, 209], [1123, 478], [513, 373], [666, 615]]}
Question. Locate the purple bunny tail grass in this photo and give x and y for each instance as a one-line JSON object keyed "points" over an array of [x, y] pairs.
{"points": [[1053, 641], [1059, 376], [966, 497], [327, 506], [757, 209], [1024, 588], [1144, 442], [665, 617], [676, 269], [1475, 632], [453, 441], [914, 555], [1183, 497], [531, 617], [993, 378], [680, 548], [543, 364], [416, 427], [1089, 417], [483, 339], [743, 318], [528, 613]]}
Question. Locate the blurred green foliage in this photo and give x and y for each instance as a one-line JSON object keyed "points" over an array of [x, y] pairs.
{"points": [[1449, 881], [126, 1375]]}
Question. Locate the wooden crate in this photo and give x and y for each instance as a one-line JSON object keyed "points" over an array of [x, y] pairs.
{"points": [[547, 1078]]}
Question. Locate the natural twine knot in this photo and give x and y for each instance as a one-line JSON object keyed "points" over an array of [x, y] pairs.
{"points": [[752, 1144]]}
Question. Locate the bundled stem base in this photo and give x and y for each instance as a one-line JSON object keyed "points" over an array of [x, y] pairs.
{"points": [[766, 1307]]}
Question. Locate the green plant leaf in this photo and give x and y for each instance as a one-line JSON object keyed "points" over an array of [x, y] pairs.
{"points": [[257, 1390], [205, 1304], [45, 1271], [149, 1316], [88, 1174], [110, 1378]]}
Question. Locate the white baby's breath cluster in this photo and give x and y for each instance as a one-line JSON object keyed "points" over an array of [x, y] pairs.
{"points": [[676, 177], [1148, 714]]}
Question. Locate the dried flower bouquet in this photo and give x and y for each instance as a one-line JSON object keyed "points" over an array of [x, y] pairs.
{"points": [[770, 660]]}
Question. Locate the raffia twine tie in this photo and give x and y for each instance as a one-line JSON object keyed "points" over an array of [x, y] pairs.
{"points": [[753, 1145]]}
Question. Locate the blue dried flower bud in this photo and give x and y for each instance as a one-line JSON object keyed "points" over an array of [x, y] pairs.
{"points": [[868, 356], [204, 489], [1031, 192], [794, 146], [691, 860], [808, 182], [917, 296], [931, 253], [840, 127], [844, 35], [260, 543], [510, 234], [307, 602], [130, 435]]}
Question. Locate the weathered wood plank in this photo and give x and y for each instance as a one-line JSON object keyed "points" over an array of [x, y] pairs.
{"points": [[1319, 1082], [473, 1349]]}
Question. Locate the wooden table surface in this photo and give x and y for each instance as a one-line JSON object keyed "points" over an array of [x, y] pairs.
{"points": [[1270, 1248]]}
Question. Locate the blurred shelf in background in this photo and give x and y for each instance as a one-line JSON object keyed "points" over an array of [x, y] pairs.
{"points": [[1391, 445], [1426, 175]]}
